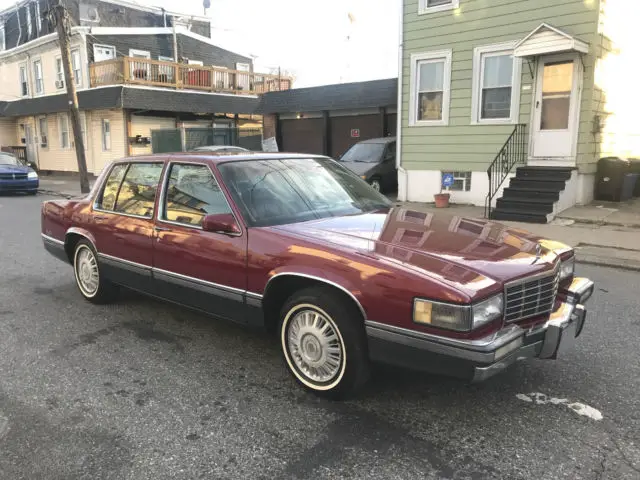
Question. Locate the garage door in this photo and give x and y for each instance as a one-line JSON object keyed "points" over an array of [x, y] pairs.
{"points": [[302, 135], [367, 126]]}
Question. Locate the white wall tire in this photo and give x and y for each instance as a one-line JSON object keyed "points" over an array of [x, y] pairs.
{"points": [[89, 281], [323, 342]]}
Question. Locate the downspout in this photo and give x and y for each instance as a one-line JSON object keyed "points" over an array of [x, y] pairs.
{"points": [[19, 26], [164, 17], [405, 194]]}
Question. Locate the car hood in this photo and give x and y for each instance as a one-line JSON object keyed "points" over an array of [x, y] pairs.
{"points": [[359, 168], [14, 169], [473, 255]]}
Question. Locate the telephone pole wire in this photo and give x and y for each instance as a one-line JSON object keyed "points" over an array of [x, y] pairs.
{"points": [[61, 21]]}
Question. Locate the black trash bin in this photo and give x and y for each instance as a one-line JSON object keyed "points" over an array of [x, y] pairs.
{"points": [[635, 168], [610, 178]]}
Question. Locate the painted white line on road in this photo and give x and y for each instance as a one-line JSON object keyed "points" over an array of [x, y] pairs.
{"points": [[577, 407]]}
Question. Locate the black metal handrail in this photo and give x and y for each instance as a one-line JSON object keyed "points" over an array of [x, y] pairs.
{"points": [[513, 151]]}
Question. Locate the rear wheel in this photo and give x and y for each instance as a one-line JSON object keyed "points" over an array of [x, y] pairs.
{"points": [[324, 343], [91, 284]]}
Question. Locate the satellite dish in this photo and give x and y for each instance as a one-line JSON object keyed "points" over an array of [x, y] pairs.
{"points": [[206, 3]]}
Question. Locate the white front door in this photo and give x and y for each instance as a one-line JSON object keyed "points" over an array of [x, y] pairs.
{"points": [[556, 107]]}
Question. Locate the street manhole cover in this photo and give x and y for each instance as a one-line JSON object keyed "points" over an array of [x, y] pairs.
{"points": [[4, 426]]}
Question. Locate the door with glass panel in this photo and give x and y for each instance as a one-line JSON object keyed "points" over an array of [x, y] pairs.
{"points": [[556, 107]]}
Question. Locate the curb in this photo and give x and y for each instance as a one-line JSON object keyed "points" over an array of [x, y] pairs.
{"points": [[601, 223], [614, 263]]}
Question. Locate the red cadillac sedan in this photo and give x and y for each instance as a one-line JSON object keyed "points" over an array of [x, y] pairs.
{"points": [[300, 245]]}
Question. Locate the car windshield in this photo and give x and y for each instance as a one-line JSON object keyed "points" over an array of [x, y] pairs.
{"points": [[364, 153], [281, 191], [8, 159]]}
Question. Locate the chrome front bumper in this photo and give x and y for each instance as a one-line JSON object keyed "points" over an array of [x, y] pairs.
{"points": [[479, 359]]}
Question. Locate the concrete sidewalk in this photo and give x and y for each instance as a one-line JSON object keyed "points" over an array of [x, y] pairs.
{"points": [[588, 229], [595, 243]]}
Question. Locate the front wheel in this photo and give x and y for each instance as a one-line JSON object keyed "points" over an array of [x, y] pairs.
{"points": [[375, 184], [91, 284], [324, 342]]}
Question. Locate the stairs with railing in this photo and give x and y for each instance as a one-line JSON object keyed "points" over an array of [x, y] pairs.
{"points": [[534, 194], [513, 152]]}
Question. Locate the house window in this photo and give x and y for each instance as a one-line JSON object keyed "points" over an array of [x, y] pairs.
{"points": [[461, 181], [496, 84], [106, 134], [430, 88], [63, 127], [37, 77], [76, 66], [430, 6], [24, 81], [59, 74], [43, 129]]}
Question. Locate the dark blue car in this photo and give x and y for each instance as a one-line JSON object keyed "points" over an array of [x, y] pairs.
{"points": [[15, 176]]}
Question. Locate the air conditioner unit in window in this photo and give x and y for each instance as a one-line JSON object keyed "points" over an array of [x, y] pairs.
{"points": [[59, 83]]}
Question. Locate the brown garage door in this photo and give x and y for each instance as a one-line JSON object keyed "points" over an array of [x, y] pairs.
{"points": [[369, 126], [392, 124], [303, 135]]}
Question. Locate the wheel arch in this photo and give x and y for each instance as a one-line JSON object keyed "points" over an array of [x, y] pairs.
{"points": [[71, 239], [282, 285]]}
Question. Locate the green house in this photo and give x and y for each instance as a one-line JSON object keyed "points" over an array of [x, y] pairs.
{"points": [[535, 91]]}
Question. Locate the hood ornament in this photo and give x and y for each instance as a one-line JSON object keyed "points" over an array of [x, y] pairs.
{"points": [[538, 253]]}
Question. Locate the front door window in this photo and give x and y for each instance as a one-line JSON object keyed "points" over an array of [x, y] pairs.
{"points": [[557, 81]]}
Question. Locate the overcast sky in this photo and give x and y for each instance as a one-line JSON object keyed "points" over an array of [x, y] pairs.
{"points": [[306, 36]]}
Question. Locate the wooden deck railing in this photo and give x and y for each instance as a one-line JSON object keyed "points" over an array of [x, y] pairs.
{"points": [[142, 71]]}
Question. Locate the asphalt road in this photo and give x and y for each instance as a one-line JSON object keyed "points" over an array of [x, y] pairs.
{"points": [[144, 390]]}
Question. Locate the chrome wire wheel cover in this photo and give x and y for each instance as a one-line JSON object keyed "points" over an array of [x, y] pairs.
{"points": [[375, 184], [315, 346], [86, 268]]}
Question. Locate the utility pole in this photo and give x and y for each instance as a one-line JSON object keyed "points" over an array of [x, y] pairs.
{"points": [[61, 21], [175, 40]]}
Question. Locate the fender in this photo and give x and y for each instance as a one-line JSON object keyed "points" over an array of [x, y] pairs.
{"points": [[338, 283], [83, 233]]}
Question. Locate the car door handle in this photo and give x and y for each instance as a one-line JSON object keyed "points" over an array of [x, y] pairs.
{"points": [[161, 229], [99, 218]]}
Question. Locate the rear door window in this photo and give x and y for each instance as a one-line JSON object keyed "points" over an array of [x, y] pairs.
{"points": [[137, 193], [107, 200]]}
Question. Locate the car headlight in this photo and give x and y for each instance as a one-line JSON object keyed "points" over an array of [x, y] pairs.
{"points": [[32, 175], [488, 310], [566, 268], [458, 317]]}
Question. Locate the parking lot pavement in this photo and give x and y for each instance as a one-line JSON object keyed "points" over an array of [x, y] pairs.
{"points": [[145, 390]]}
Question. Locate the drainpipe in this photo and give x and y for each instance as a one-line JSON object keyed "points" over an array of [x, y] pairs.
{"points": [[19, 26], [405, 195], [164, 17], [175, 40]]}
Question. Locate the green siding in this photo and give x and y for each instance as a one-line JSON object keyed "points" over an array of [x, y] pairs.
{"points": [[479, 23]]}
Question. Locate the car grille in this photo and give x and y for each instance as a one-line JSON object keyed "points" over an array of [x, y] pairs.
{"points": [[13, 176], [531, 297]]}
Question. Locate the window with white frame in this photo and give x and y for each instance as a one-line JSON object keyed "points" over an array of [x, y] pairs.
{"points": [[430, 6], [38, 80], [496, 84], [63, 128], [59, 73], [43, 131], [106, 134], [461, 181], [76, 66], [24, 81], [430, 88]]}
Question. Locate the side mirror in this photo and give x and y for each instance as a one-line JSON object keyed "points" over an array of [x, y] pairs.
{"points": [[224, 223]]}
